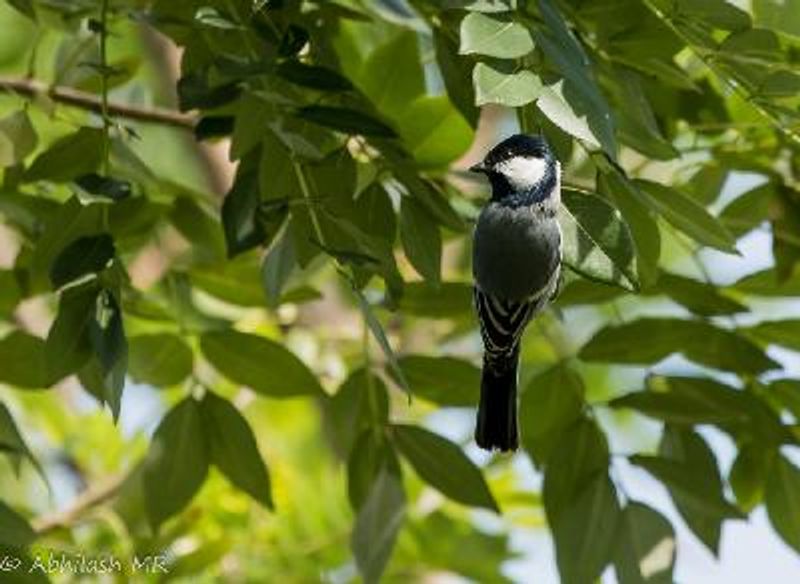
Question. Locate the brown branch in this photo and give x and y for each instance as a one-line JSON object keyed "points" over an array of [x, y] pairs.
{"points": [[91, 102], [92, 497]]}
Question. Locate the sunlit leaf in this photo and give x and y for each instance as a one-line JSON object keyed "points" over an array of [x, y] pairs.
{"points": [[494, 36], [503, 85], [596, 242]]}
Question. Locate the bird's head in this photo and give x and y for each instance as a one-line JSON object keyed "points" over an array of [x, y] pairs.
{"points": [[520, 167]]}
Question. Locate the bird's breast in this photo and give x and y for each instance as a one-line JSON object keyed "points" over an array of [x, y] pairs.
{"points": [[516, 251]]}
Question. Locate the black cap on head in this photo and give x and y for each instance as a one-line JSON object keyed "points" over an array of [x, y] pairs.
{"points": [[518, 145]]}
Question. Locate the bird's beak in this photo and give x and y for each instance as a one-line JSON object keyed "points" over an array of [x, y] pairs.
{"points": [[479, 168]]}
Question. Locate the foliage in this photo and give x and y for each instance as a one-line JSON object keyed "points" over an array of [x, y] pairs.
{"points": [[300, 329]]}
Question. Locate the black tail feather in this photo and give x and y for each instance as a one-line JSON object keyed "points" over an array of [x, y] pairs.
{"points": [[496, 426]]}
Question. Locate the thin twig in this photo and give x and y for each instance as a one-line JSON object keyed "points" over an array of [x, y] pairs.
{"points": [[94, 103], [92, 497], [104, 87]]}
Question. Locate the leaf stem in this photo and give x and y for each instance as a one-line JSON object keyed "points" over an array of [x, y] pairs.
{"points": [[104, 85]]}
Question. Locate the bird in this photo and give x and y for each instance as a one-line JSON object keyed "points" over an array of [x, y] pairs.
{"points": [[516, 265]]}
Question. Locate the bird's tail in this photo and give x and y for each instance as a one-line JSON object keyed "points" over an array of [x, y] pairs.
{"points": [[496, 426]]}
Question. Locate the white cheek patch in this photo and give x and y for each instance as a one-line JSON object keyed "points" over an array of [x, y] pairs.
{"points": [[522, 172]]}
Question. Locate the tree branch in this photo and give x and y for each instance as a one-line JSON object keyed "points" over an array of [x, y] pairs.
{"points": [[92, 497], [91, 102]]}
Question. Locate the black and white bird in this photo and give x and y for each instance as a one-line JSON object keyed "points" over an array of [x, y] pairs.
{"points": [[516, 262]]}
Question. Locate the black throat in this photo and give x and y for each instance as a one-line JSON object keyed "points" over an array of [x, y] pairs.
{"points": [[506, 195]]}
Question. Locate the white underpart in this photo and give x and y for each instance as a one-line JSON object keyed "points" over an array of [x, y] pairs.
{"points": [[522, 172]]}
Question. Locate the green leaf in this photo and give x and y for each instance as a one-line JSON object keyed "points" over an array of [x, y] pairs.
{"points": [[376, 526], [241, 223], [778, 15], [581, 534], [587, 115], [688, 400], [718, 13], [345, 120], [596, 242], [421, 239], [430, 196], [757, 43], [13, 444], [313, 76], [706, 184], [23, 361], [444, 466], [392, 76], [24, 7], [10, 292], [233, 449], [446, 381], [360, 403], [644, 551], [106, 187], [613, 183], [688, 469], [434, 131], [177, 462], [747, 211], [110, 347], [371, 454], [86, 255], [701, 298], [502, 84], [699, 341], [235, 281], [70, 221], [159, 359], [748, 474], [784, 212], [377, 331], [777, 332], [277, 268], [250, 124], [766, 283], [688, 216], [577, 291], [551, 402], [787, 393], [494, 36], [17, 138], [487, 6], [445, 300], [454, 69], [14, 529], [261, 364], [635, 118], [69, 157], [68, 346], [580, 455], [199, 228], [782, 497]]}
